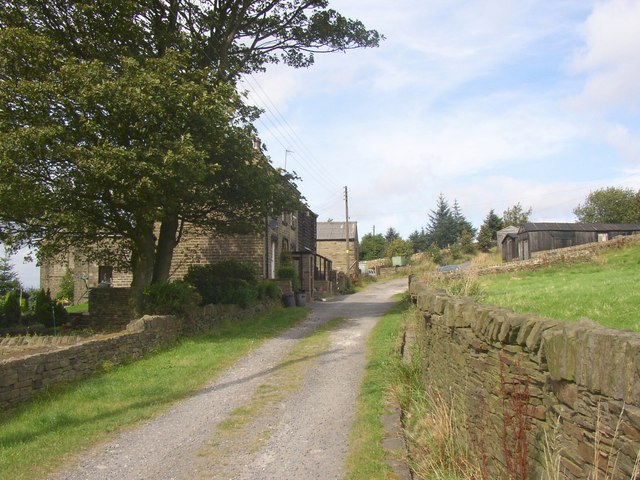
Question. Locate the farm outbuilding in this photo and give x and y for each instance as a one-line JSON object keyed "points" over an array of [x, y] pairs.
{"points": [[539, 237]]}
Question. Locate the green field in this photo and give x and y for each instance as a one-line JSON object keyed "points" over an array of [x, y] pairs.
{"points": [[606, 290]]}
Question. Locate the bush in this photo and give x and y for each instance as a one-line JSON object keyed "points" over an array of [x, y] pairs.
{"points": [[289, 272], [169, 298], [226, 282], [48, 312], [66, 287], [267, 290], [12, 311]]}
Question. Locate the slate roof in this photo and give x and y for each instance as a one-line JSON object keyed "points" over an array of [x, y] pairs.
{"points": [[580, 227], [335, 230]]}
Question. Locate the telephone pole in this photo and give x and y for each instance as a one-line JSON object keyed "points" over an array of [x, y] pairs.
{"points": [[346, 211]]}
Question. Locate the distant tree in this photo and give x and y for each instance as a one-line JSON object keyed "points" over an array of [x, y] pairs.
{"points": [[516, 215], [461, 223], [8, 277], [419, 240], [391, 235], [610, 205], [399, 248], [372, 246], [446, 225], [487, 236], [465, 242]]}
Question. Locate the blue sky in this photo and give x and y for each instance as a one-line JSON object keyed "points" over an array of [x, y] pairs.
{"points": [[487, 102]]}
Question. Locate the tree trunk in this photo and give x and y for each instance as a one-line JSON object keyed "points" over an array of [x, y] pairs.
{"points": [[164, 253], [142, 267]]}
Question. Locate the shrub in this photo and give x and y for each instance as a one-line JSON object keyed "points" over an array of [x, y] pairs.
{"points": [[267, 290], [226, 282], [48, 312], [169, 298], [66, 287], [12, 311], [289, 272]]}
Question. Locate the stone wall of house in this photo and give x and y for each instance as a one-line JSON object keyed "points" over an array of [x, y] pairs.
{"points": [[336, 252], [577, 385]]}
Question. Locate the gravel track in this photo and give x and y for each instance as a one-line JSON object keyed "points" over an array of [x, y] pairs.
{"points": [[303, 436]]}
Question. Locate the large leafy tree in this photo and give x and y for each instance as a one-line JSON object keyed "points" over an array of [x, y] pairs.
{"points": [[488, 234], [610, 205], [122, 121]]}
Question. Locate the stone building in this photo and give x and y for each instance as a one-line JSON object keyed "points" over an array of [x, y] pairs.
{"points": [[288, 232], [332, 243]]}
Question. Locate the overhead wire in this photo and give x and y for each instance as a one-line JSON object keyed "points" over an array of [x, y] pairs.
{"points": [[284, 133]]}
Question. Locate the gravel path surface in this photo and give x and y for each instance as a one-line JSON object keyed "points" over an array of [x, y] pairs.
{"points": [[299, 433]]}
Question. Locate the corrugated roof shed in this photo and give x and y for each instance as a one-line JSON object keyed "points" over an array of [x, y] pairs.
{"points": [[580, 227], [335, 230]]}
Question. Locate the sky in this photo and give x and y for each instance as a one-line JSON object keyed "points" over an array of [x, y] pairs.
{"points": [[489, 103]]}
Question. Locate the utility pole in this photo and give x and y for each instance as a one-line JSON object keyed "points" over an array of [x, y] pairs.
{"points": [[346, 211], [286, 153]]}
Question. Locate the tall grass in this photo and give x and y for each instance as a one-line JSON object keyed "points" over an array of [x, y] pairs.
{"points": [[49, 431]]}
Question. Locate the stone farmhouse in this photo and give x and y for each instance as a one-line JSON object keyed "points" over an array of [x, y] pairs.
{"points": [[292, 232], [532, 238], [333, 244]]}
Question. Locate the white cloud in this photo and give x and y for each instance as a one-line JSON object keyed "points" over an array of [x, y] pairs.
{"points": [[610, 57], [627, 144]]}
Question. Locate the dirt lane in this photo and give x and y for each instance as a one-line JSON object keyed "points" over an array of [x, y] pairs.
{"points": [[301, 410]]}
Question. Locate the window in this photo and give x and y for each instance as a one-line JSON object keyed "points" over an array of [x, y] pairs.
{"points": [[105, 275]]}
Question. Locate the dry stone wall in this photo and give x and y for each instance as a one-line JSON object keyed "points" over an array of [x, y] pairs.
{"points": [[28, 365], [577, 385]]}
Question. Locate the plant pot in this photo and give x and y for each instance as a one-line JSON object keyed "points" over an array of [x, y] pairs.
{"points": [[301, 299], [289, 300]]}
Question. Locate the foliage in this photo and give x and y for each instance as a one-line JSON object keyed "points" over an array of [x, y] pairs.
{"points": [[66, 287], [267, 290], [12, 310], [47, 311], [8, 277], [399, 248], [487, 237], [391, 235], [225, 282], [120, 119], [516, 215], [419, 240], [288, 271], [175, 298], [445, 226], [372, 246], [610, 205]]}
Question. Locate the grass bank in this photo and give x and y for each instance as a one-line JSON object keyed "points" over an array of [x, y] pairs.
{"points": [[605, 290], [41, 435], [366, 460]]}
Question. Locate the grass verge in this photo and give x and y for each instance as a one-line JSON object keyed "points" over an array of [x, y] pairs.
{"points": [[49, 431], [366, 459]]}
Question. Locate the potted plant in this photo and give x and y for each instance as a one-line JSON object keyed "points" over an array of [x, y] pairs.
{"points": [[289, 272]]}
